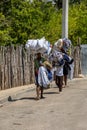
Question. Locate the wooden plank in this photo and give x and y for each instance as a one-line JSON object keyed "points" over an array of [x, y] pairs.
{"points": [[21, 65], [2, 66]]}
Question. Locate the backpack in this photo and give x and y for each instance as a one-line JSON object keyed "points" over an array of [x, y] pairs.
{"points": [[49, 73]]}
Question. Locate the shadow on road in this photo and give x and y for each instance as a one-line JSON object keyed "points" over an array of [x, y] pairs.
{"points": [[24, 98], [50, 92]]}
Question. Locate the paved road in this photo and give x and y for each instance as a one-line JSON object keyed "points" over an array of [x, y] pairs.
{"points": [[64, 111]]}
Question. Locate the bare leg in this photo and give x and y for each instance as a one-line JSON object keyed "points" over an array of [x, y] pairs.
{"points": [[41, 91], [60, 83], [65, 80], [37, 92]]}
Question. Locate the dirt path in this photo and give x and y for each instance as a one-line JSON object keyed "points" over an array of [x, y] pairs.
{"points": [[64, 111]]}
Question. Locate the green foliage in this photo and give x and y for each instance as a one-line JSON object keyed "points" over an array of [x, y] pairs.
{"points": [[58, 4], [54, 27], [77, 23], [5, 7], [5, 38], [21, 20]]}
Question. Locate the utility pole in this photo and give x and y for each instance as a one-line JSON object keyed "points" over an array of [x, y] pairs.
{"points": [[65, 18]]}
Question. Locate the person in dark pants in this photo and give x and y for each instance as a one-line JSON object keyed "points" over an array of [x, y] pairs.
{"points": [[59, 77], [66, 69]]}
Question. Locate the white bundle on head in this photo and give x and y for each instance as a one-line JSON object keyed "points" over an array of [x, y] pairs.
{"points": [[39, 46], [31, 44], [66, 44], [58, 44]]}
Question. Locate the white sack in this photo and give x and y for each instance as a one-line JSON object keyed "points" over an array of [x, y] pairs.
{"points": [[42, 77], [41, 42], [39, 45], [32, 44]]}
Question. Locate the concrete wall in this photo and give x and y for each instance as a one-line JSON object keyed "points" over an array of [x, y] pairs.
{"points": [[84, 59]]}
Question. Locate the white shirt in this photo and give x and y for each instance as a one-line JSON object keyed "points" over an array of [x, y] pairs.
{"points": [[59, 71]]}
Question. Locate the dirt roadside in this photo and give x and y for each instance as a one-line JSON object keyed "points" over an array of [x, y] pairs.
{"points": [[64, 111]]}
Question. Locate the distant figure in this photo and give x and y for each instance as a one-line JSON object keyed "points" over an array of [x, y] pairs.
{"points": [[66, 70], [71, 72]]}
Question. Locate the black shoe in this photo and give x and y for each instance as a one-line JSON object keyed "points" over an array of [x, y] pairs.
{"points": [[60, 90], [9, 98], [42, 97]]}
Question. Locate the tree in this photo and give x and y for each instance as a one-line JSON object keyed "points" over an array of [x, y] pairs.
{"points": [[77, 22], [5, 7], [75, 1], [33, 20], [5, 38], [58, 3]]}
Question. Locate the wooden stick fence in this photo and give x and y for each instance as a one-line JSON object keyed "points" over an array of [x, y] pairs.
{"points": [[77, 61], [17, 66]]}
